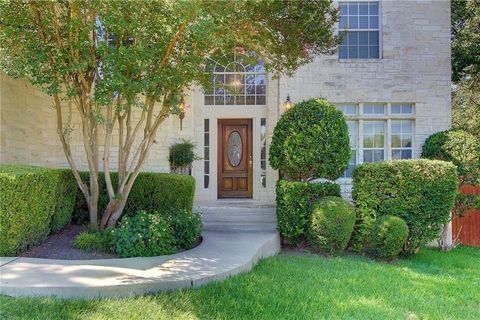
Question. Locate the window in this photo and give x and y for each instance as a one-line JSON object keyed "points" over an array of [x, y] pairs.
{"points": [[348, 109], [373, 141], [237, 83], [359, 27], [263, 151], [402, 108], [352, 134], [374, 108], [206, 153], [401, 139]]}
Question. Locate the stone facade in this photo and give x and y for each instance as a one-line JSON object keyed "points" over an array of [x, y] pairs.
{"points": [[414, 68]]}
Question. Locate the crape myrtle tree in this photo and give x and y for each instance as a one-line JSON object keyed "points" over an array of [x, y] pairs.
{"points": [[108, 60]]}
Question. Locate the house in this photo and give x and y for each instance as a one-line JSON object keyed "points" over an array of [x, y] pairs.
{"points": [[390, 77]]}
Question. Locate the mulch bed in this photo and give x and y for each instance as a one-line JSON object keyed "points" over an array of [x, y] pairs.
{"points": [[60, 246]]}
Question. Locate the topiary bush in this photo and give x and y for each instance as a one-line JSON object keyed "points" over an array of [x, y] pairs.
{"points": [[388, 236], [143, 234], [294, 201], [187, 227], [421, 192], [33, 202], [458, 146], [311, 141], [331, 224], [151, 192]]}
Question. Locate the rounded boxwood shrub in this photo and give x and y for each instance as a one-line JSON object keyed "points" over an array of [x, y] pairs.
{"points": [[294, 202], [143, 234], [389, 234], [421, 192], [331, 224], [458, 146], [311, 141]]}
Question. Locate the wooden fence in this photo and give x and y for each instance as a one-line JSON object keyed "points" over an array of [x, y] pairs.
{"points": [[467, 228]]}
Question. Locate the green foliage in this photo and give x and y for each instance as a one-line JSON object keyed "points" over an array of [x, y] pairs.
{"points": [[311, 141], [93, 241], [331, 224], [186, 226], [65, 204], [150, 192], [34, 201], [459, 147], [294, 202], [142, 235], [421, 192], [389, 234], [182, 154], [466, 41]]}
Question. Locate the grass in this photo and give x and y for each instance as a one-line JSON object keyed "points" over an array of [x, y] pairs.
{"points": [[430, 285]]}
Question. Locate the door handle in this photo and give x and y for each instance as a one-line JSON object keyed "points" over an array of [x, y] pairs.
{"points": [[250, 161]]}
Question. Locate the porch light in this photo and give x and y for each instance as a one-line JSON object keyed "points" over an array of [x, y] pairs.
{"points": [[288, 103], [182, 107]]}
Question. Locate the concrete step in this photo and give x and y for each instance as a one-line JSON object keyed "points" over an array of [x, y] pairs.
{"points": [[238, 219]]}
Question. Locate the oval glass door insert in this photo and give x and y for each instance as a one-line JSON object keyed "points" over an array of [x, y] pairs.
{"points": [[234, 148]]}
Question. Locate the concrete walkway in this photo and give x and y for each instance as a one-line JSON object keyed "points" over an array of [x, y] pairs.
{"points": [[231, 244]]}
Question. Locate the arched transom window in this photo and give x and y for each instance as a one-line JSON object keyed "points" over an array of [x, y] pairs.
{"points": [[236, 83]]}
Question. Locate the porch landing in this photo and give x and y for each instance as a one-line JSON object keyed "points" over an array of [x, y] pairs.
{"points": [[221, 254]]}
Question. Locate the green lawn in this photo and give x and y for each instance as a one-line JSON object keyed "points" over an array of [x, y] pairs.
{"points": [[430, 285]]}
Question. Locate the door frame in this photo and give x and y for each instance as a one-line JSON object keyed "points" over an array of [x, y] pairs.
{"points": [[250, 169]]}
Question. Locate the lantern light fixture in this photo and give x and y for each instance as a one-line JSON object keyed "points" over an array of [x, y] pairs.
{"points": [[288, 103]]}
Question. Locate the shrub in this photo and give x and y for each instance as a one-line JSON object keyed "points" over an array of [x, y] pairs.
{"points": [[421, 192], [311, 141], [34, 200], [331, 224], [294, 201], [389, 234], [65, 204], [91, 241], [458, 146], [143, 234], [182, 154], [150, 192], [186, 226]]}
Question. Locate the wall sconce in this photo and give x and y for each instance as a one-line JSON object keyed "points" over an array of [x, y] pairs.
{"points": [[182, 107], [288, 103]]}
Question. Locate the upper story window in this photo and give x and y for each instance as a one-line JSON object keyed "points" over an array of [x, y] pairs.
{"points": [[237, 83], [359, 26]]}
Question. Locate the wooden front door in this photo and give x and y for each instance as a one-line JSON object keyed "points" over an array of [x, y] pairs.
{"points": [[235, 158]]}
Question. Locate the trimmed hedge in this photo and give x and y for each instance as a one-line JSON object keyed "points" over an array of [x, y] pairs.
{"points": [[34, 202], [294, 202], [331, 224], [311, 141], [150, 192], [389, 234], [421, 192]]}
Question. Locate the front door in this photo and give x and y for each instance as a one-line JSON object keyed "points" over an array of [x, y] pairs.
{"points": [[235, 158]]}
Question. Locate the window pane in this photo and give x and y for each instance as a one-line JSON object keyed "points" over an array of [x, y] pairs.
{"points": [[396, 154], [343, 52], [363, 52], [353, 22], [261, 100], [396, 141], [378, 155], [353, 38], [209, 100], [368, 127], [373, 37], [396, 109], [379, 141], [343, 23], [363, 22], [363, 8], [367, 141], [373, 6], [219, 100], [353, 8], [363, 37], [249, 100], [406, 154], [374, 22], [352, 52], [368, 156], [374, 52], [406, 141], [344, 8], [407, 109]]}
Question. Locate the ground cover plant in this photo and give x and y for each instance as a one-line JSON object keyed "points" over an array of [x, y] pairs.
{"points": [[429, 285]]}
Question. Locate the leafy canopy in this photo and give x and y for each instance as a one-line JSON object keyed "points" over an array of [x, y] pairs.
{"points": [[151, 47]]}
